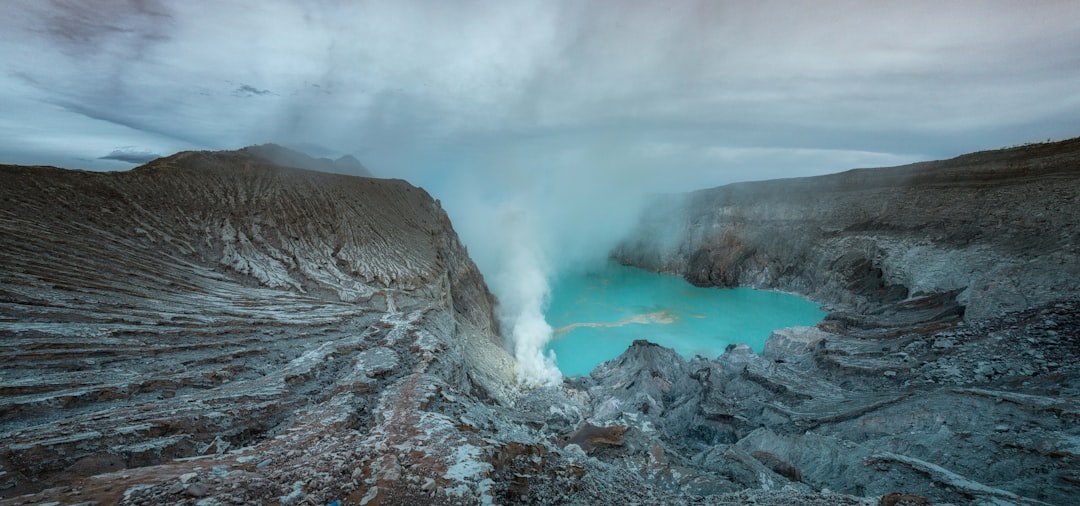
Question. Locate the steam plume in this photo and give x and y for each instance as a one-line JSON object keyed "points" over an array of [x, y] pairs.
{"points": [[522, 284], [530, 215]]}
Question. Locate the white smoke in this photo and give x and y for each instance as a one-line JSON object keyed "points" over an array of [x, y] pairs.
{"points": [[530, 215], [522, 285]]}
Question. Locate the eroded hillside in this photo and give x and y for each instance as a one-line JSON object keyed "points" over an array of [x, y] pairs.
{"points": [[208, 301], [948, 366], [1001, 229]]}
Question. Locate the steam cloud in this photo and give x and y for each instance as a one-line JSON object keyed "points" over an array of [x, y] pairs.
{"points": [[522, 284], [530, 219]]}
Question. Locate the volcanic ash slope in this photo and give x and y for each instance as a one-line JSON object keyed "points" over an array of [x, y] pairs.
{"points": [[213, 325]]}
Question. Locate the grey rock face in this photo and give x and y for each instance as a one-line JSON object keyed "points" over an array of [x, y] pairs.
{"points": [[941, 372], [871, 416], [999, 228], [209, 303]]}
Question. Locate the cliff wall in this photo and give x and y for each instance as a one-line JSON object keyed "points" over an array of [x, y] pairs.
{"points": [[948, 363], [999, 230], [205, 302]]}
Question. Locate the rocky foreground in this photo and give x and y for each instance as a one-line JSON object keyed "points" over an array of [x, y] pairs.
{"points": [[212, 328]]}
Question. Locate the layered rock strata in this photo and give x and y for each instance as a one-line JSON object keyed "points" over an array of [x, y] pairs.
{"points": [[947, 369], [208, 302], [998, 230], [982, 413]]}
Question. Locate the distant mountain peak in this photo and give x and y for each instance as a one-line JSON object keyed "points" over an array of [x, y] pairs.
{"points": [[281, 155]]}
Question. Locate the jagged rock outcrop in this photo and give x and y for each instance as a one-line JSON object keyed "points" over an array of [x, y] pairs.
{"points": [[982, 413], [1001, 229]]}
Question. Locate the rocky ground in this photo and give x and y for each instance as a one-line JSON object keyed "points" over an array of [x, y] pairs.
{"points": [[982, 413], [946, 366], [215, 329]]}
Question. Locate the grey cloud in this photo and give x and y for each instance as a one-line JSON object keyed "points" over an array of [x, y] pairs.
{"points": [[248, 90], [85, 27], [111, 113], [421, 89], [131, 155]]}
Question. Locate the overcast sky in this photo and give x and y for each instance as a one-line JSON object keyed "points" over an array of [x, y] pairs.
{"points": [[682, 94]]}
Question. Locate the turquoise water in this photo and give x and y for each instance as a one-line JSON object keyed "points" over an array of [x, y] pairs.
{"points": [[597, 315]]}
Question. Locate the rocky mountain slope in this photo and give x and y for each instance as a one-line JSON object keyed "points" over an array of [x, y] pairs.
{"points": [[208, 301], [948, 367], [212, 328], [1001, 229]]}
